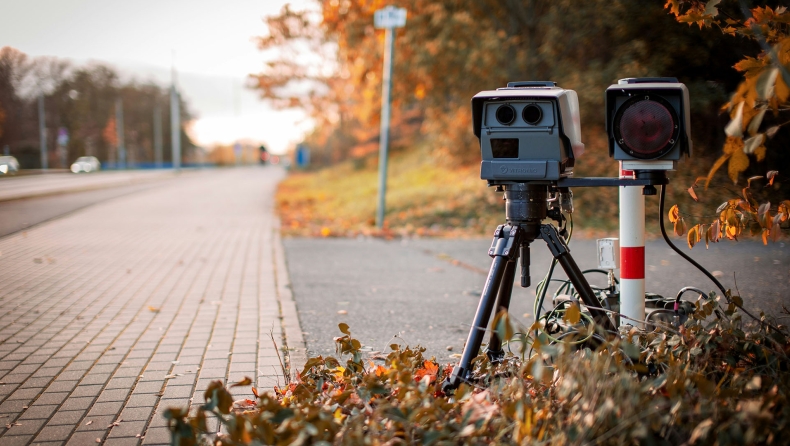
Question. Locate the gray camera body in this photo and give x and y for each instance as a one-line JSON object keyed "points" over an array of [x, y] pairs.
{"points": [[529, 131]]}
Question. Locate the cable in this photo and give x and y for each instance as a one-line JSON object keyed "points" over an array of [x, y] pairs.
{"points": [[697, 265], [696, 290], [543, 286]]}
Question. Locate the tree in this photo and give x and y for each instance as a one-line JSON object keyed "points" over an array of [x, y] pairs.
{"points": [[764, 87]]}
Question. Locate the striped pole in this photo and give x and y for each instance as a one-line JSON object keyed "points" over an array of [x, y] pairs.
{"points": [[632, 251]]}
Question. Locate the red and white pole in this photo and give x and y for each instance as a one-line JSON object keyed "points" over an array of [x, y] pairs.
{"points": [[632, 251]]}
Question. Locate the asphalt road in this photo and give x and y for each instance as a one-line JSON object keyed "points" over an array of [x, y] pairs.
{"points": [[21, 214], [425, 291]]}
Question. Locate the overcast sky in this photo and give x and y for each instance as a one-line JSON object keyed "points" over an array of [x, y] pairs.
{"points": [[212, 40]]}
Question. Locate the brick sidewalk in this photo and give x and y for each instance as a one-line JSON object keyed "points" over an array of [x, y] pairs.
{"points": [[117, 312]]}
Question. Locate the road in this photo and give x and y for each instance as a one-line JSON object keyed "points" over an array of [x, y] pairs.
{"points": [[425, 291]]}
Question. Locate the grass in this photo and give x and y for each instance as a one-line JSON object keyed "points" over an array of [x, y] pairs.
{"points": [[425, 197]]}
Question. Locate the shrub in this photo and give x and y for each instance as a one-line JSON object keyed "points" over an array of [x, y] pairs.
{"points": [[708, 381]]}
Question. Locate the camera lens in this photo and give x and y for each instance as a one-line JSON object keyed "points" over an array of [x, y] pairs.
{"points": [[532, 114], [646, 127], [506, 114]]}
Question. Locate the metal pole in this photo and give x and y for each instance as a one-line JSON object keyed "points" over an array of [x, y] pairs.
{"points": [[389, 49], [42, 131], [632, 252], [119, 132], [158, 136], [175, 128]]}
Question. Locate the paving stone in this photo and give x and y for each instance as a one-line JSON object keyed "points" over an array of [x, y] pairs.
{"points": [[97, 422], [128, 429], [77, 403], [14, 406], [157, 435], [25, 394], [110, 408], [52, 398], [54, 433], [16, 440], [28, 427], [177, 392], [137, 413], [126, 441], [87, 390], [62, 386], [121, 383], [148, 387], [142, 400], [71, 417], [113, 395], [84, 438]]}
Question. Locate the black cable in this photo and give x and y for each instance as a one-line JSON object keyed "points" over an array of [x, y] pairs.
{"points": [[681, 253], [699, 267], [696, 290], [546, 283]]}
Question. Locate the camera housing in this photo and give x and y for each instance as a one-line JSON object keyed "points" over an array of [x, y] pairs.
{"points": [[648, 122], [529, 131]]}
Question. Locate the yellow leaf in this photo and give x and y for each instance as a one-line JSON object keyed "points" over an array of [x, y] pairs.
{"points": [[244, 382], [732, 232], [719, 162], [573, 314], [781, 90], [692, 193], [693, 234], [771, 175], [738, 163], [674, 213], [760, 153], [733, 144], [673, 6], [765, 236], [680, 227]]}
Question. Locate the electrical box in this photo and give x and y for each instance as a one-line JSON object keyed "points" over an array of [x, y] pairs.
{"points": [[608, 253]]}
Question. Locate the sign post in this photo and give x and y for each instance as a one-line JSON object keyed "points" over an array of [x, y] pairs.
{"points": [[388, 18]]}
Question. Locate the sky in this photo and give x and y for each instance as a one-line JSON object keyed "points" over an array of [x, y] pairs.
{"points": [[209, 42]]}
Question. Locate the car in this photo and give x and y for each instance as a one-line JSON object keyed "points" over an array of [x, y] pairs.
{"points": [[8, 165], [86, 164]]}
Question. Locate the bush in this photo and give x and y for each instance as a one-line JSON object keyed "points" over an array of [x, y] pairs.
{"points": [[706, 382]]}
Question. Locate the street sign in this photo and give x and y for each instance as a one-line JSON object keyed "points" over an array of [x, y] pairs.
{"points": [[390, 17]]}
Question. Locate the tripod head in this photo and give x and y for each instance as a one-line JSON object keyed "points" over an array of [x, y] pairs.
{"points": [[527, 204]]}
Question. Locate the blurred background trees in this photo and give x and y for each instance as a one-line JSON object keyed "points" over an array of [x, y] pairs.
{"points": [[452, 49], [81, 100]]}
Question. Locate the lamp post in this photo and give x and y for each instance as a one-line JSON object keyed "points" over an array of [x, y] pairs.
{"points": [[388, 18]]}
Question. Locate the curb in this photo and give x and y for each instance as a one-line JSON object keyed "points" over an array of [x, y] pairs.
{"points": [[292, 331]]}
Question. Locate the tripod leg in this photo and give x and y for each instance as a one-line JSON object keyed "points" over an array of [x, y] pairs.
{"points": [[494, 351], [560, 252], [503, 252]]}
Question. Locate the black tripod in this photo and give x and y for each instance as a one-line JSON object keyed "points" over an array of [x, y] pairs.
{"points": [[526, 207]]}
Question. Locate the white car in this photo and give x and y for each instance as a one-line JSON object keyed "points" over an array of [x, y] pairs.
{"points": [[8, 165], [86, 164]]}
